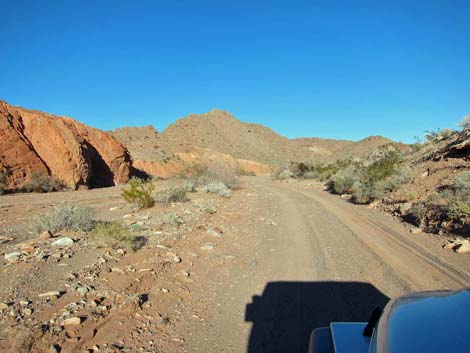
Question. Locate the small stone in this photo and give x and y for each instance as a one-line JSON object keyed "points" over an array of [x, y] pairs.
{"points": [[163, 321], [416, 231], [45, 235], [24, 302], [173, 257], [3, 306], [12, 257], [208, 247], [184, 273], [72, 321], [82, 290], [120, 252], [50, 294], [117, 270], [27, 312], [54, 348], [463, 248], [65, 241], [213, 233]]}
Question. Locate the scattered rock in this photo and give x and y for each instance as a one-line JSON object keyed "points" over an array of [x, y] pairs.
{"points": [[5, 239], [72, 321], [50, 294], [65, 241], [163, 321], [27, 312], [117, 270], [214, 233], [346, 197], [45, 235], [3, 306], [458, 245], [54, 348], [12, 257], [463, 248], [416, 231], [82, 290], [173, 257], [208, 247]]}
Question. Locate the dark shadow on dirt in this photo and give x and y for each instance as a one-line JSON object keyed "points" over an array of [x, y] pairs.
{"points": [[287, 312]]}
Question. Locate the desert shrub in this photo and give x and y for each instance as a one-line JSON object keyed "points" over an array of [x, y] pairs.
{"points": [[371, 179], [139, 192], [393, 182], [283, 173], [66, 217], [41, 182], [462, 182], [457, 209], [190, 186], [445, 133], [203, 174], [217, 188], [114, 235], [343, 181], [171, 219], [176, 194], [465, 122], [3, 182]]}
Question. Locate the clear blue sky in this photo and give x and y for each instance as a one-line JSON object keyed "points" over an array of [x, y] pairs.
{"points": [[343, 69]]}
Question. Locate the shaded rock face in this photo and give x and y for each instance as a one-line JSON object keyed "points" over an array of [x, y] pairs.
{"points": [[77, 154]]}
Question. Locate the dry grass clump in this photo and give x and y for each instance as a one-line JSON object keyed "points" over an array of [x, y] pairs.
{"points": [[139, 193], [66, 217], [175, 194], [41, 182], [218, 188], [114, 235], [217, 177]]}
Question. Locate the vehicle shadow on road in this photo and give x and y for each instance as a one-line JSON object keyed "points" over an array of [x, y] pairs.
{"points": [[287, 312]]}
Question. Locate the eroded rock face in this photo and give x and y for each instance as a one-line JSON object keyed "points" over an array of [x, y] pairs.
{"points": [[77, 154]]}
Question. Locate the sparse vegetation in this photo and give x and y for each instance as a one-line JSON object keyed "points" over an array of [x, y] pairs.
{"points": [[66, 217], [465, 123], [41, 182], [217, 177], [176, 194], [139, 192], [3, 182], [218, 188], [114, 235]]}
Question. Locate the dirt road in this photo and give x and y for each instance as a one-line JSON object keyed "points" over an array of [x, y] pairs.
{"points": [[308, 258]]}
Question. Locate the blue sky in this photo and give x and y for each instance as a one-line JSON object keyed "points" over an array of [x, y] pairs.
{"points": [[339, 69]]}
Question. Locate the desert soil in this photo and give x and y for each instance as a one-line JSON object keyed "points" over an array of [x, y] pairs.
{"points": [[252, 273]]}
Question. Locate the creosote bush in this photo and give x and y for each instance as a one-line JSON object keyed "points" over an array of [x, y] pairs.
{"points": [[114, 235], [66, 217], [139, 192], [41, 182]]}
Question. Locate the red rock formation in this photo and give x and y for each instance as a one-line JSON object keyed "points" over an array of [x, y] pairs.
{"points": [[77, 154]]}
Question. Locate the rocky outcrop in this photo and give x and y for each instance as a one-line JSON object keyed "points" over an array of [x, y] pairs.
{"points": [[73, 152]]}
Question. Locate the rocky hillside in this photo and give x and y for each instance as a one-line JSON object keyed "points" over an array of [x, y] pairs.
{"points": [[220, 131], [79, 155]]}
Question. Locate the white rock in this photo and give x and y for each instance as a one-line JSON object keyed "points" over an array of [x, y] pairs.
{"points": [[208, 247], [50, 294], [65, 241], [13, 256], [214, 233], [463, 248], [73, 321]]}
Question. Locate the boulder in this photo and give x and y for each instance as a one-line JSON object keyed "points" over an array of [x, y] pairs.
{"points": [[78, 155]]}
